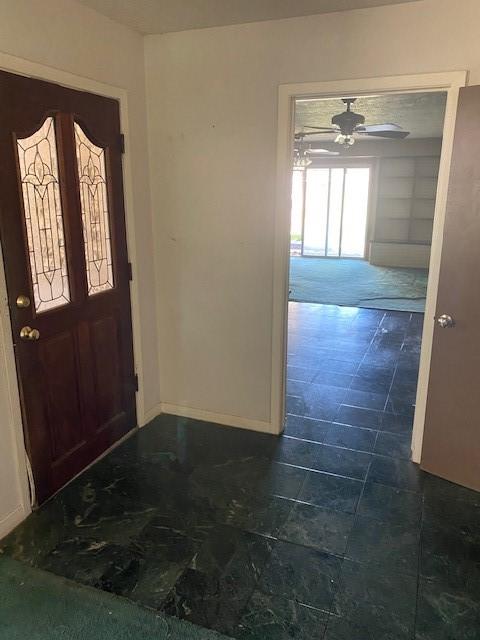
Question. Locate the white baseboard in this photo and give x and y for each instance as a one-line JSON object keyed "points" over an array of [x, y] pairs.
{"points": [[393, 254], [150, 415], [218, 418], [8, 523]]}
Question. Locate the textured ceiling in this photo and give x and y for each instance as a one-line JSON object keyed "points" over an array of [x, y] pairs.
{"points": [[162, 16], [420, 113]]}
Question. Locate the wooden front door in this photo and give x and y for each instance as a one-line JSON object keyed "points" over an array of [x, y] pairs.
{"points": [[62, 229], [451, 446]]}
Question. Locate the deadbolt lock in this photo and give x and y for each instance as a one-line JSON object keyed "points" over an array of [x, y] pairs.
{"points": [[23, 302], [27, 333]]}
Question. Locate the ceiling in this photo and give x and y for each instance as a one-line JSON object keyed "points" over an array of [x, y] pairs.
{"points": [[162, 16], [420, 113]]}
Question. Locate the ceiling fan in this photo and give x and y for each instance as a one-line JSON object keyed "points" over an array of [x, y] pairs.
{"points": [[348, 124]]}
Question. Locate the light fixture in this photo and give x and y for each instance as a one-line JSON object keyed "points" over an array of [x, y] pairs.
{"points": [[301, 159], [345, 140]]}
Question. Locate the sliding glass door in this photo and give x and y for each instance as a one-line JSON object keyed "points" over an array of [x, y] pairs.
{"points": [[335, 211]]}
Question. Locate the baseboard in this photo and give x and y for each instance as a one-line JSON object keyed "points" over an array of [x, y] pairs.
{"points": [[218, 418], [150, 415], [393, 254], [8, 523]]}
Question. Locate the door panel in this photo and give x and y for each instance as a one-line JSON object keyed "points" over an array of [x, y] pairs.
{"points": [[107, 368], [63, 236], [57, 357], [451, 446]]}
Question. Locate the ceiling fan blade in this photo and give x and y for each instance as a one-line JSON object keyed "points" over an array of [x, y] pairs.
{"points": [[387, 130], [395, 135], [302, 134], [323, 152], [307, 126]]}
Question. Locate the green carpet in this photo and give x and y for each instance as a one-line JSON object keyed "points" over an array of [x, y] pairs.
{"points": [[35, 605], [356, 283]]}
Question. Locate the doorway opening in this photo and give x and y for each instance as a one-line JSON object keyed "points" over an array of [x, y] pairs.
{"points": [[361, 231]]}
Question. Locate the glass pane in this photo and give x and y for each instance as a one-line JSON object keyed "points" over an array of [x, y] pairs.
{"points": [[355, 210], [37, 158], [297, 213], [95, 216], [335, 212], [316, 204]]}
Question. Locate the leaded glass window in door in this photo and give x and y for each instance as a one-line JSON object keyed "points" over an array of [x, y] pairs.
{"points": [[42, 207], [95, 213]]}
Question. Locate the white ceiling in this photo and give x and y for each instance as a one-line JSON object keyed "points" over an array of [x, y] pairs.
{"points": [[420, 113], [162, 16]]}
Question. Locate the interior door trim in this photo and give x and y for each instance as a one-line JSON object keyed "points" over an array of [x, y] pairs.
{"points": [[450, 82], [13, 421]]}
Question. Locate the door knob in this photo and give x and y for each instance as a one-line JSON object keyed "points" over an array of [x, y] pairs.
{"points": [[27, 333], [446, 321], [23, 302]]}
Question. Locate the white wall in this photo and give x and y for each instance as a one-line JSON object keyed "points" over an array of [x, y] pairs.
{"points": [[63, 35], [212, 101]]}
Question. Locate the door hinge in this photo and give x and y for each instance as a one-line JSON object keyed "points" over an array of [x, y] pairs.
{"points": [[122, 143], [129, 271], [135, 382]]}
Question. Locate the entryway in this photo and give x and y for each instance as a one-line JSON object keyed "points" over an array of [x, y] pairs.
{"points": [[63, 237]]}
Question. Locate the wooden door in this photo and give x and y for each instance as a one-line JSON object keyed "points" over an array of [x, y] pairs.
{"points": [[62, 229], [451, 446]]}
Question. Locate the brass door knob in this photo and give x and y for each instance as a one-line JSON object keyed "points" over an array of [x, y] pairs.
{"points": [[23, 302], [27, 333]]}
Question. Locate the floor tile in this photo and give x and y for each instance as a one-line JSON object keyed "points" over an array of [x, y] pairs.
{"points": [[445, 614], [337, 366], [359, 417], [318, 528], [396, 473], [353, 464], [98, 564], [365, 399], [401, 405], [297, 452], [278, 479], [372, 379], [220, 580], [375, 604], [396, 423], [391, 504], [394, 445], [304, 575], [350, 437], [344, 462], [306, 428], [332, 378], [258, 514], [333, 492], [392, 546], [268, 617], [437, 488]]}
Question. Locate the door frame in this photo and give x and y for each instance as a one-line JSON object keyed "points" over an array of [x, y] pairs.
{"points": [[14, 423], [450, 82]]}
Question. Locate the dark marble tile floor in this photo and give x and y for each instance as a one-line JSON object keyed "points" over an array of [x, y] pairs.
{"points": [[328, 532]]}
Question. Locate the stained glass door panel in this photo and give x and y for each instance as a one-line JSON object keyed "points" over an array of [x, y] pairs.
{"points": [[42, 209], [95, 212]]}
